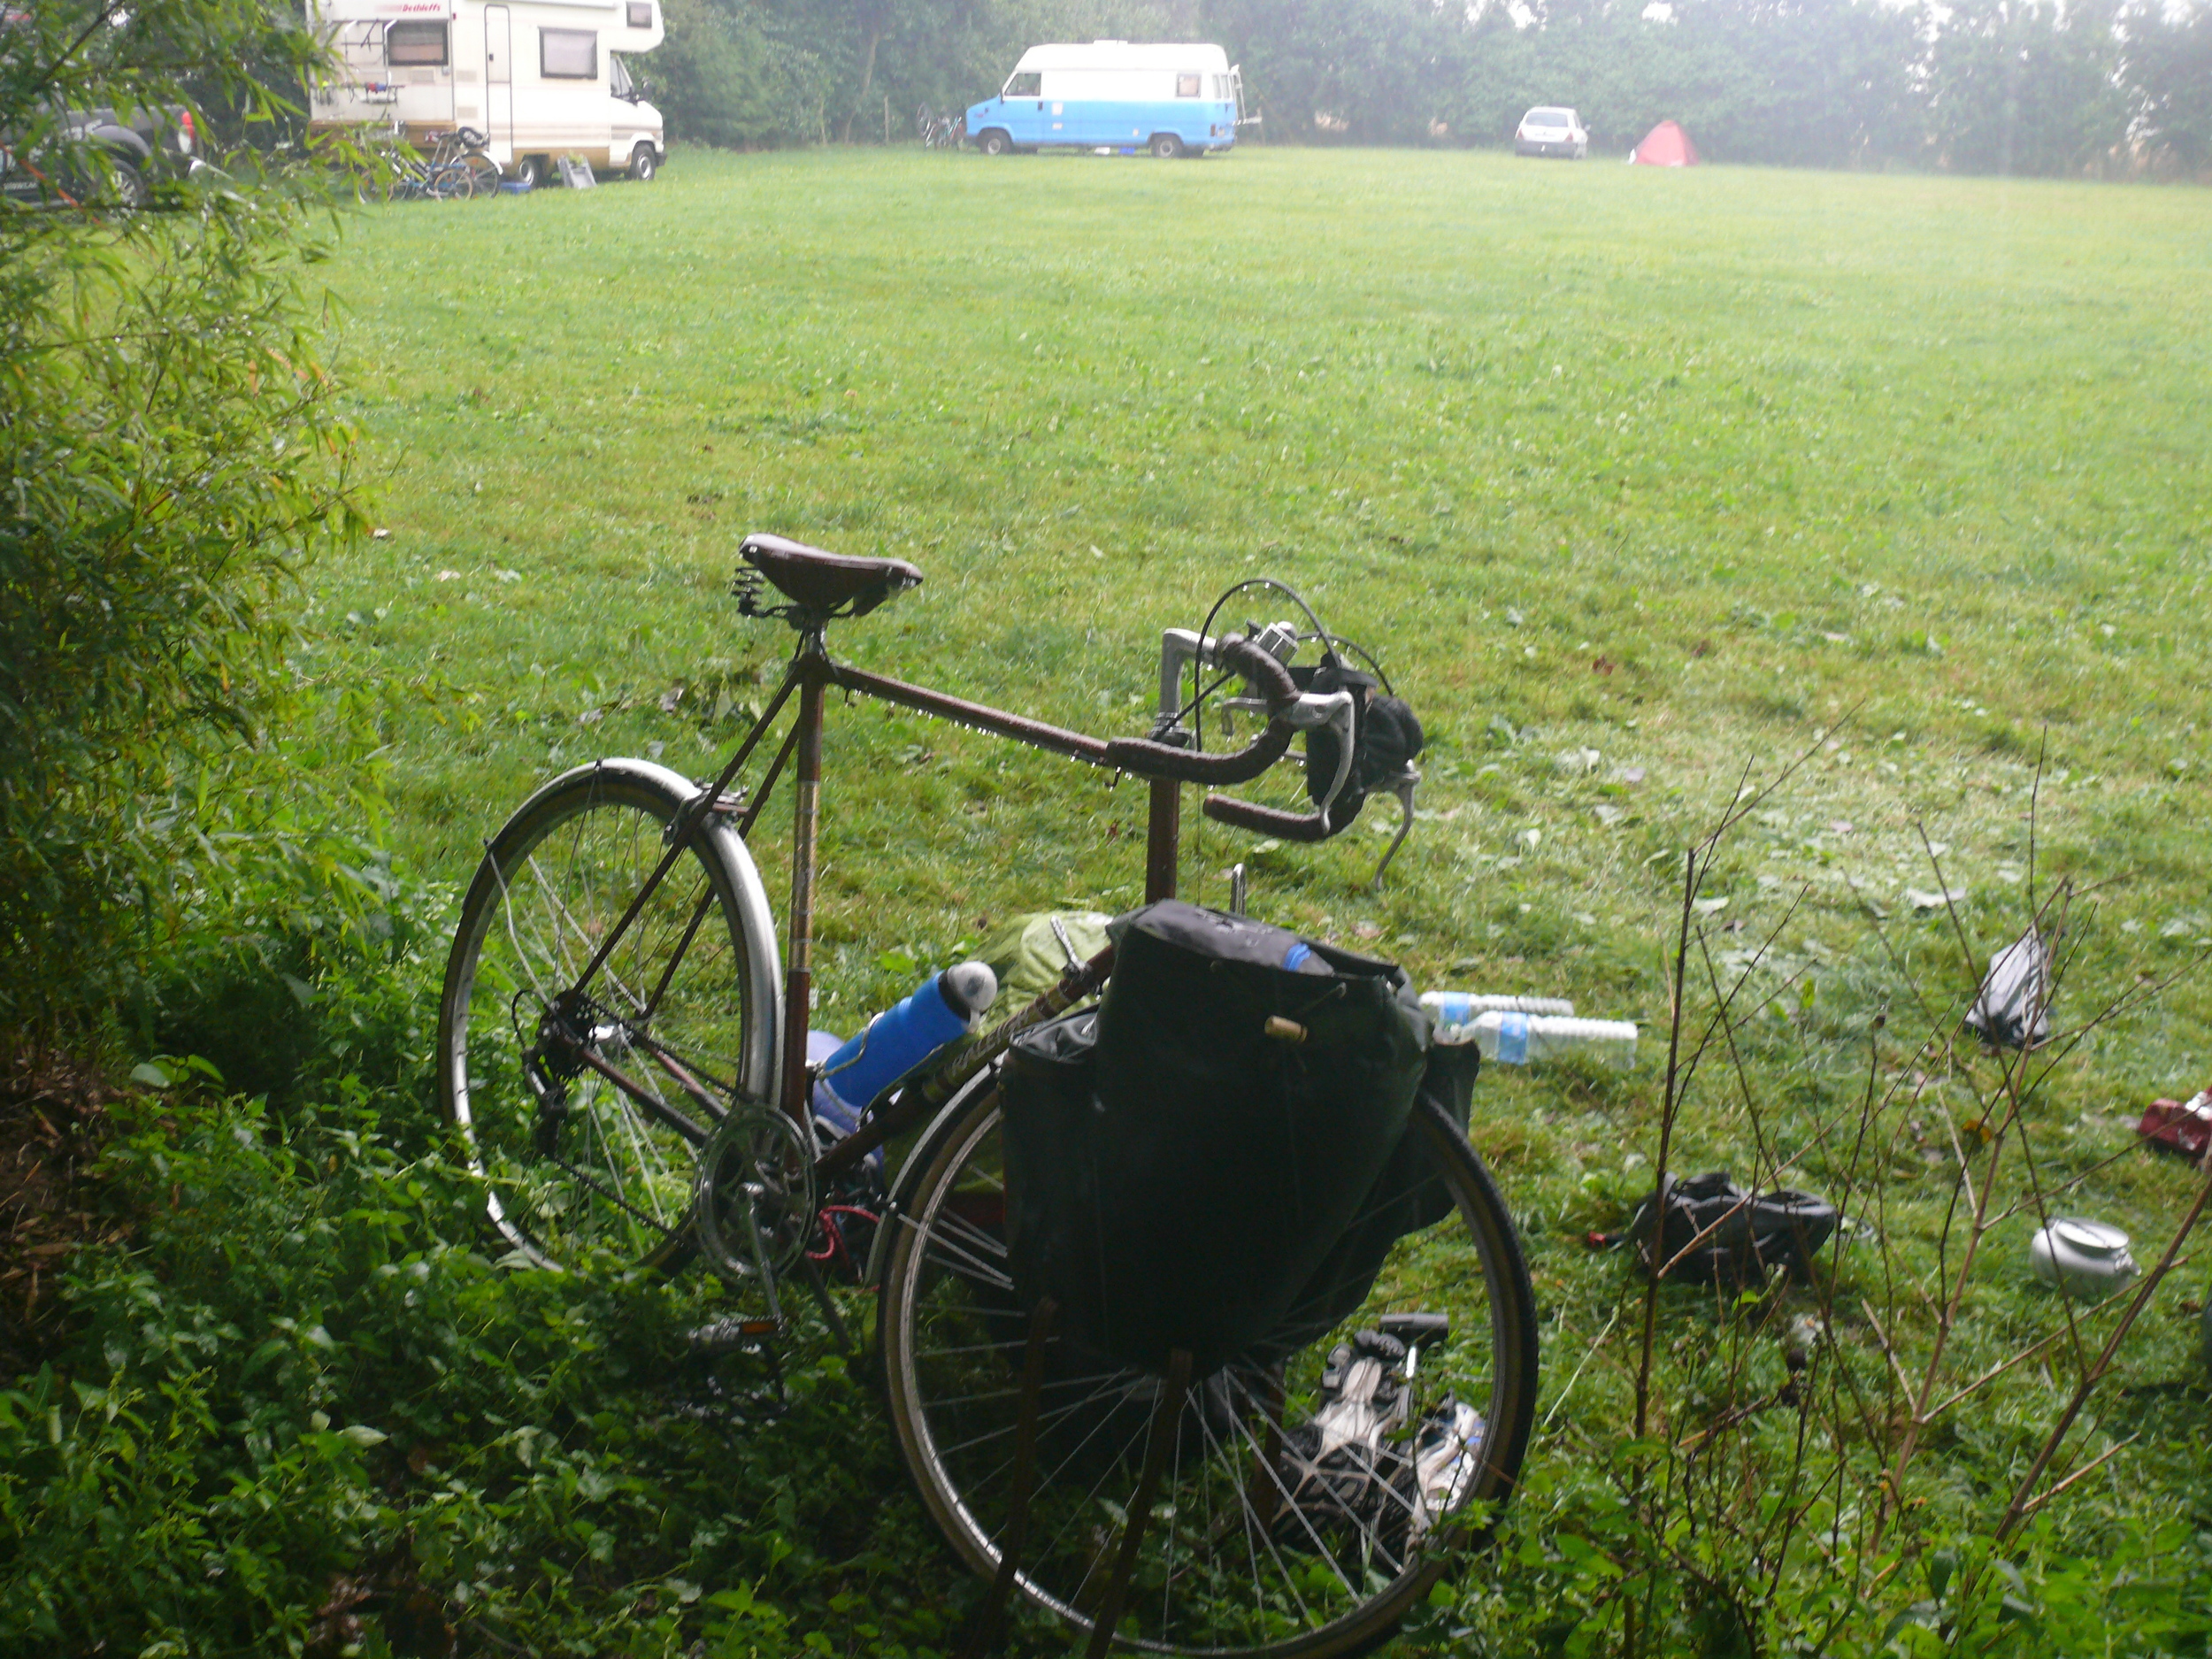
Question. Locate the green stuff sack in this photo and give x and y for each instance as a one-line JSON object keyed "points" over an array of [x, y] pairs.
{"points": [[1177, 1171], [1028, 957]]}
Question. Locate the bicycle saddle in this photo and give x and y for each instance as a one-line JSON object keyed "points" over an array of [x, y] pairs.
{"points": [[826, 584]]}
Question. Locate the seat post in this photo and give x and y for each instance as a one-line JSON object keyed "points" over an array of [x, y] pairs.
{"points": [[798, 980]]}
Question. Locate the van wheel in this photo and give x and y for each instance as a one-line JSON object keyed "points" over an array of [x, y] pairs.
{"points": [[995, 143], [1166, 146], [531, 170], [644, 164]]}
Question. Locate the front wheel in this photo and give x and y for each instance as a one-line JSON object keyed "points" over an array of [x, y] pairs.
{"points": [[1166, 146], [483, 173], [1279, 1529], [996, 142], [580, 1100], [644, 162]]}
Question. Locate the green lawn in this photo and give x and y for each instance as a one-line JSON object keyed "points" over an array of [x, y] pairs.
{"points": [[1770, 445], [1635, 479]]}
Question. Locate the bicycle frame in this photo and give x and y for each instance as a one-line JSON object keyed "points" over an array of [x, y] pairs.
{"points": [[810, 672]]}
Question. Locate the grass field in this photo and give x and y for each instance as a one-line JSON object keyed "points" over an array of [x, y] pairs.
{"points": [[1634, 479]]}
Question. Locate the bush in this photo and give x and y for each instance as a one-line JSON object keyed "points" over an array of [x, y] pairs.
{"points": [[172, 460], [304, 1410]]}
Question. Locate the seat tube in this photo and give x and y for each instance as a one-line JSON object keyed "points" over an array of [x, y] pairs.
{"points": [[1163, 839], [798, 979]]}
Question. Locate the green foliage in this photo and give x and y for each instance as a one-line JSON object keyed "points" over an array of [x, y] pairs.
{"points": [[2026, 88], [303, 1408], [1996, 87], [172, 460], [2170, 59]]}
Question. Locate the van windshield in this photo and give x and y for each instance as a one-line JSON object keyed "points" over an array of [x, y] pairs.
{"points": [[618, 77]]}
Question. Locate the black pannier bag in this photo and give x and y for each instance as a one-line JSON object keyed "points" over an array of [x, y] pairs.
{"points": [[1408, 1195], [1182, 1161]]}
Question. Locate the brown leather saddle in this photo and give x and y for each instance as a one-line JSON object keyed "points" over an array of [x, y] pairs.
{"points": [[823, 585]]}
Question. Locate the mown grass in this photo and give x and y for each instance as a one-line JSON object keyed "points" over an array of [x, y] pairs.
{"points": [[1634, 479]]}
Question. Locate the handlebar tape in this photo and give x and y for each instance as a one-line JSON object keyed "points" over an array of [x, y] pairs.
{"points": [[1267, 820], [1148, 759]]}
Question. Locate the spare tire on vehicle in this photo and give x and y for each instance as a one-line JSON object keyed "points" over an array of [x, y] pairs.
{"points": [[1182, 1161]]}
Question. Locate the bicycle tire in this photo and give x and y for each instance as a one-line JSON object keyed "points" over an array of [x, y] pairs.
{"points": [[952, 1341], [604, 1181], [484, 175]]}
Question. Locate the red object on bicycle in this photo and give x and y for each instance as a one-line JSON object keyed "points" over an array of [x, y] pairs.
{"points": [[2182, 1126]]}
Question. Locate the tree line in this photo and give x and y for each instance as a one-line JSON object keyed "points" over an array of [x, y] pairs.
{"points": [[2086, 88]]}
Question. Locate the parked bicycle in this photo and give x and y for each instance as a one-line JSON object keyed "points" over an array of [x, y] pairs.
{"points": [[940, 130], [631, 1084], [456, 169]]}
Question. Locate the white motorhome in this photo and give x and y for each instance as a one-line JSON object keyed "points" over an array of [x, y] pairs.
{"points": [[541, 78]]}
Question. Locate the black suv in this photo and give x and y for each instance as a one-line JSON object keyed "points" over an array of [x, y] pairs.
{"points": [[141, 148]]}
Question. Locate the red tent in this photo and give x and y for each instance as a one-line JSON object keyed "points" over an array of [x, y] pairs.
{"points": [[1666, 145]]}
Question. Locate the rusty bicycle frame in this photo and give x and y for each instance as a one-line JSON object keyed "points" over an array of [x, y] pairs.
{"points": [[1161, 761]]}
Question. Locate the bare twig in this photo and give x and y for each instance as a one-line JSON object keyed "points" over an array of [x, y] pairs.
{"points": [[1670, 1102]]}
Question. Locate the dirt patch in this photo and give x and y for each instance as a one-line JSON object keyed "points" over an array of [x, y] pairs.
{"points": [[53, 1118]]}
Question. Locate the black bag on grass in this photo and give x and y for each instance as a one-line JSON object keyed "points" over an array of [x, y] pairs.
{"points": [[1732, 1237], [1182, 1161]]}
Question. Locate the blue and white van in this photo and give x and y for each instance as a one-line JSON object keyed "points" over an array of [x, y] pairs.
{"points": [[1114, 94]]}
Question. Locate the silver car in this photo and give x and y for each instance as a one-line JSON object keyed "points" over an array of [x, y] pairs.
{"points": [[1549, 131]]}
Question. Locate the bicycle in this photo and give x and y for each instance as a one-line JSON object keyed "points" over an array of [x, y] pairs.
{"points": [[456, 168], [939, 132], [631, 1088]]}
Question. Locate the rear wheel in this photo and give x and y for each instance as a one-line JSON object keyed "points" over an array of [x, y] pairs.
{"points": [[483, 173], [576, 1165], [1166, 146], [1272, 1531], [530, 171], [996, 142]]}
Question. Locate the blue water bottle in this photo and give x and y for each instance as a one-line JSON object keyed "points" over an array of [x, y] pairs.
{"points": [[944, 1007]]}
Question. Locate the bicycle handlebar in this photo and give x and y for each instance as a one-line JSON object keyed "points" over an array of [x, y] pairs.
{"points": [[1149, 759], [1268, 820]]}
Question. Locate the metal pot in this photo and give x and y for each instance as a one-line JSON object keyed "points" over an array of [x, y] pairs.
{"points": [[2081, 1258]]}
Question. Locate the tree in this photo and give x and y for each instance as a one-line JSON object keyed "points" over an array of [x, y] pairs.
{"points": [[2020, 86], [2169, 59]]}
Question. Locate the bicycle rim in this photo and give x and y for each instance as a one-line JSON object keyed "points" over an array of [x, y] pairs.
{"points": [[681, 1008], [1250, 1549]]}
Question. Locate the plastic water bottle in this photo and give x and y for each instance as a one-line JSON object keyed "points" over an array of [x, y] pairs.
{"points": [[945, 1006], [1514, 1039], [1451, 1009]]}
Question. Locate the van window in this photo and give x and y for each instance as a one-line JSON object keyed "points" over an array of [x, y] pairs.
{"points": [[641, 14], [1221, 88], [1029, 83], [415, 43], [568, 54], [1187, 85]]}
